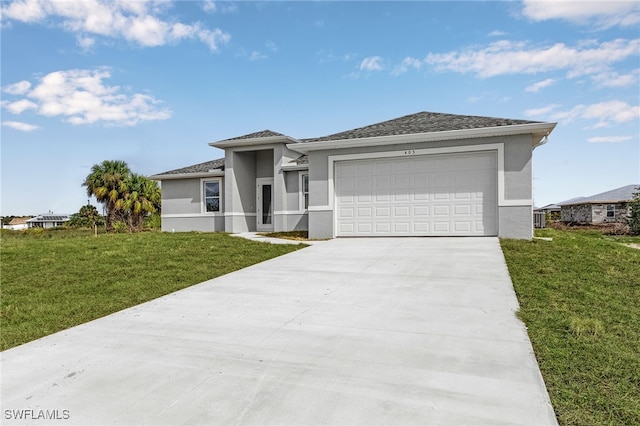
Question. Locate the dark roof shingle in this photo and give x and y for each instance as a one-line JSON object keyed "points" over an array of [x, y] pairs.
{"points": [[421, 122], [261, 134], [624, 193], [197, 168]]}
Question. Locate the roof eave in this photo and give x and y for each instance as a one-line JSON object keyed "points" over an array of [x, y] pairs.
{"points": [[269, 140], [539, 131], [294, 167], [596, 202], [187, 175]]}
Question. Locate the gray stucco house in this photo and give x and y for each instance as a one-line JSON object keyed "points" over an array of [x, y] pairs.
{"points": [[424, 174], [606, 207]]}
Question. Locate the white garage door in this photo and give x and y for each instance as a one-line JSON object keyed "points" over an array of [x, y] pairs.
{"points": [[428, 195]]}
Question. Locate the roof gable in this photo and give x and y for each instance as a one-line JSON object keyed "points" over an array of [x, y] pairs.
{"points": [[421, 122]]}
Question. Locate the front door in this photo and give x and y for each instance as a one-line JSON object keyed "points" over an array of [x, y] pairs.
{"points": [[264, 204]]}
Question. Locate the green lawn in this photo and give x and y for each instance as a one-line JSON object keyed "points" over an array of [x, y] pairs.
{"points": [[59, 279], [580, 299]]}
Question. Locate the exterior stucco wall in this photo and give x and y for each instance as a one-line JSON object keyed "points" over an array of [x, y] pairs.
{"points": [[181, 196], [515, 222], [194, 223], [517, 214], [240, 191], [182, 207], [517, 168]]}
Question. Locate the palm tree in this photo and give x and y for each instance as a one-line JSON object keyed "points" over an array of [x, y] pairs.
{"points": [[141, 196], [105, 182]]}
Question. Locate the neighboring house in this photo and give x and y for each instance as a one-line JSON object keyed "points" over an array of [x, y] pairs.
{"points": [[549, 208], [425, 174], [607, 207], [48, 221], [17, 224]]}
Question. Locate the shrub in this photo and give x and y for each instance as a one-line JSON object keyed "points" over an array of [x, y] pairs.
{"points": [[120, 227], [634, 216]]}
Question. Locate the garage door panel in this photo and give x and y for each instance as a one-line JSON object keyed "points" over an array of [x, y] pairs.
{"points": [[453, 194]]}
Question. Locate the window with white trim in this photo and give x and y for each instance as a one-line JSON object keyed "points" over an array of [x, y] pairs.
{"points": [[211, 190], [304, 191], [611, 211]]}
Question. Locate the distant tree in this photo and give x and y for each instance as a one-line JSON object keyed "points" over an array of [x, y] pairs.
{"points": [[140, 198], [128, 197], [105, 182], [87, 216], [634, 217]]}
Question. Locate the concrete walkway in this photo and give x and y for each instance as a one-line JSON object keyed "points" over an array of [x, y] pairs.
{"points": [[350, 331]]}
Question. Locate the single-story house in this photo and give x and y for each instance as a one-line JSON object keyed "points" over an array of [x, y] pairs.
{"points": [[607, 207], [47, 221], [424, 174], [549, 208], [17, 224]]}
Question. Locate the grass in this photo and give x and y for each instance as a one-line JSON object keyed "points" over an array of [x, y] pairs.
{"points": [[580, 299], [288, 235], [57, 279]]}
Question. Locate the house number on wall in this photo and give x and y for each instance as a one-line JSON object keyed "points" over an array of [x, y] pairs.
{"points": [[410, 152]]}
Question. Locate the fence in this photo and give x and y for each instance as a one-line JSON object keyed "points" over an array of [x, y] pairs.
{"points": [[539, 219]]}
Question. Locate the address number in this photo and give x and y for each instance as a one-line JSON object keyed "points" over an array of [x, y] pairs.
{"points": [[410, 152]]}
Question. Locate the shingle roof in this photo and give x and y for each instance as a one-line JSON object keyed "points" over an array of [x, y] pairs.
{"points": [[624, 193], [421, 122], [261, 134], [198, 168]]}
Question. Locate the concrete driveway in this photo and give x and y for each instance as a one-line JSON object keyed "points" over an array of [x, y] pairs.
{"points": [[349, 331]]}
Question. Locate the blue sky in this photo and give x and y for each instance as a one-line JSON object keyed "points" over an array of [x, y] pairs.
{"points": [[152, 83]]}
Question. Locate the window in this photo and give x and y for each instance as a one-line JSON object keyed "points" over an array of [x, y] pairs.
{"points": [[211, 196], [611, 211], [304, 191]]}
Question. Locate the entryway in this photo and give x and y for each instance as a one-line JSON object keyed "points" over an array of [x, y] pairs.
{"points": [[264, 204]]}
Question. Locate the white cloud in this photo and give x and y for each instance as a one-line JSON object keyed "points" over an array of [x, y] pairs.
{"points": [[614, 79], [18, 107], [19, 88], [537, 112], [81, 97], [497, 33], [138, 22], [407, 63], [256, 56], [605, 112], [209, 6], [25, 11], [535, 87], [372, 63], [86, 43], [603, 14], [506, 57], [609, 139], [23, 127]]}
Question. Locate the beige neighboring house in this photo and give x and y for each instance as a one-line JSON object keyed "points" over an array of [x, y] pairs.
{"points": [[17, 224], [607, 207]]}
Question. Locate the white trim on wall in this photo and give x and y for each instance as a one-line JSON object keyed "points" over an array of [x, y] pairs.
{"points": [[191, 215], [498, 147], [289, 212], [240, 214], [300, 190], [203, 204]]}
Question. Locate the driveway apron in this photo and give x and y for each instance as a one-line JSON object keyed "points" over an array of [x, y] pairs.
{"points": [[349, 331]]}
